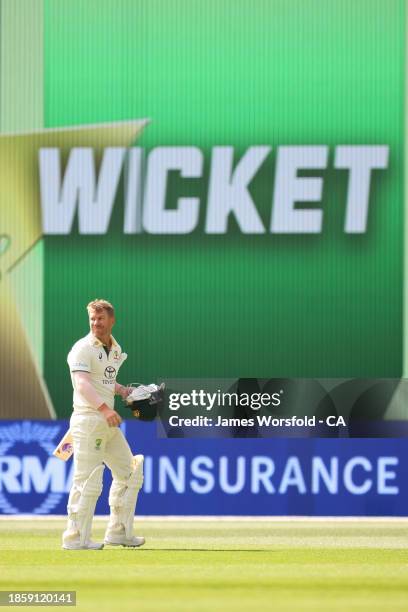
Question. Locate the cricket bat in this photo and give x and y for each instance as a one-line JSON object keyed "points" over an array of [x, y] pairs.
{"points": [[65, 448]]}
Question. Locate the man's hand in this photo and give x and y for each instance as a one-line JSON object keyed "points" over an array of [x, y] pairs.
{"points": [[122, 390], [112, 417]]}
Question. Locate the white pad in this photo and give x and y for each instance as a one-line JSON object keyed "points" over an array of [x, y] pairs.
{"points": [[80, 513], [123, 497]]}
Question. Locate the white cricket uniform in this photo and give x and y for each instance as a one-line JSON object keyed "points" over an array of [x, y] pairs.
{"points": [[94, 441], [89, 355]]}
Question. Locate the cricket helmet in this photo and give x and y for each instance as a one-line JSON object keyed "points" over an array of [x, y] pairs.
{"points": [[144, 401]]}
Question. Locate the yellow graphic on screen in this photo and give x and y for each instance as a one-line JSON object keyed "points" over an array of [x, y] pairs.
{"points": [[24, 394]]}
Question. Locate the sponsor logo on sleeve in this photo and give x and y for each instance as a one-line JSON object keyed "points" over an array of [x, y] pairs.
{"points": [[80, 364]]}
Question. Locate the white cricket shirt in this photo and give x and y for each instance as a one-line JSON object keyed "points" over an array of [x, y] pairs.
{"points": [[89, 355]]}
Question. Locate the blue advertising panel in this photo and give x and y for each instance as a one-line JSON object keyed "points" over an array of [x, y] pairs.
{"points": [[332, 477]]}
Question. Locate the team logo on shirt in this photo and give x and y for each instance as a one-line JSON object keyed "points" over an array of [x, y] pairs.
{"points": [[115, 355], [110, 372], [98, 443]]}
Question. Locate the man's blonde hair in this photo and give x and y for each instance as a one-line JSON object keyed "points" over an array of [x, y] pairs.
{"points": [[99, 305]]}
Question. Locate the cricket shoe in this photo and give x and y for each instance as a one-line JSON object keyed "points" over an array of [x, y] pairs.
{"points": [[122, 540], [75, 545]]}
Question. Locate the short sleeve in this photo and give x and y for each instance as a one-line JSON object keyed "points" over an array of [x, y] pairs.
{"points": [[79, 359]]}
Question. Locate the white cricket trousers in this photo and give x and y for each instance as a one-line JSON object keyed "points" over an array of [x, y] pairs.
{"points": [[96, 443]]}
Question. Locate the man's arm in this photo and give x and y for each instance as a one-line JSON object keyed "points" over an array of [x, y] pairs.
{"points": [[84, 386]]}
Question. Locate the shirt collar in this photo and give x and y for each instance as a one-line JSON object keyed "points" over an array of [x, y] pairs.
{"points": [[94, 341]]}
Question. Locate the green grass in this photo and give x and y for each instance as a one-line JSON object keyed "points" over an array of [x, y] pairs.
{"points": [[229, 565]]}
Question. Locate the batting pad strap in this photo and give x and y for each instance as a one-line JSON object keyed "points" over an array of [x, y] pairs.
{"points": [[122, 489]]}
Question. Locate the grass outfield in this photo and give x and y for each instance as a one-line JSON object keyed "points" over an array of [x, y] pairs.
{"points": [[213, 565]]}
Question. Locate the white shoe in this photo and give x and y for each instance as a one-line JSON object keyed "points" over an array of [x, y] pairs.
{"points": [[122, 540], [75, 545]]}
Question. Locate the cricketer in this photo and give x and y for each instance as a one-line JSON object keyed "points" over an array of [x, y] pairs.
{"points": [[94, 362]]}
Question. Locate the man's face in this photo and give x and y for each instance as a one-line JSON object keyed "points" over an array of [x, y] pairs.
{"points": [[101, 323]]}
